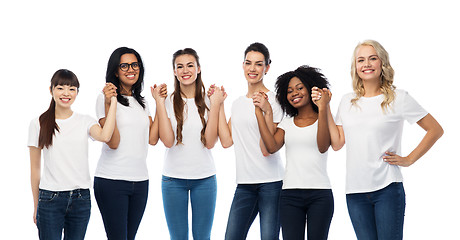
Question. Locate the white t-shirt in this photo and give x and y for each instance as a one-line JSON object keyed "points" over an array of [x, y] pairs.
{"points": [[306, 167], [369, 133], [251, 165], [128, 161], [191, 159], [65, 164]]}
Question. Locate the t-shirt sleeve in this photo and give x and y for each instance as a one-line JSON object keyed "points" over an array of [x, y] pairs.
{"points": [[282, 124], [168, 106], [412, 111], [34, 132], [147, 108], [90, 122], [276, 108], [338, 118], [100, 106]]}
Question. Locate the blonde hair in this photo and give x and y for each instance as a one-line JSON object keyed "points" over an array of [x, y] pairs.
{"points": [[386, 78]]}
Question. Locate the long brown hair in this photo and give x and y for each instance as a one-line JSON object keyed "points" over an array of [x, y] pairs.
{"points": [[179, 103], [47, 120]]}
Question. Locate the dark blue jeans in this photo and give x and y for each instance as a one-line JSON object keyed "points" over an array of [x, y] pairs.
{"points": [[64, 210], [311, 207], [249, 200], [380, 214], [122, 204], [202, 200]]}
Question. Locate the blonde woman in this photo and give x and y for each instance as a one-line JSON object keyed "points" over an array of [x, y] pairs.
{"points": [[370, 120]]}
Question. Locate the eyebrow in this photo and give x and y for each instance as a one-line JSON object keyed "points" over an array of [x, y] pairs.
{"points": [[374, 55], [251, 61]]}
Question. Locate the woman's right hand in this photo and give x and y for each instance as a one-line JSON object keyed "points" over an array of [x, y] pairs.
{"points": [[321, 97]]}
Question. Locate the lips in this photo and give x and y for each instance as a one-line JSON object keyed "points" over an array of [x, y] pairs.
{"points": [[368, 71], [186, 77], [296, 99], [131, 76], [66, 100], [252, 75]]}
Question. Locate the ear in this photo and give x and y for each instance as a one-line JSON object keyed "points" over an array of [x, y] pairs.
{"points": [[51, 90], [267, 68], [198, 70]]}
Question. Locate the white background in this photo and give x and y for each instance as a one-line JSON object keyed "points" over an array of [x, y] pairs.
{"points": [[39, 37]]}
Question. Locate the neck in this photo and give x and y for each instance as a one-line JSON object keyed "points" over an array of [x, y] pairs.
{"points": [[256, 87], [188, 91], [306, 112], [63, 113], [372, 88], [126, 90]]}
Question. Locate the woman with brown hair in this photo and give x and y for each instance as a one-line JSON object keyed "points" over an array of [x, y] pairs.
{"points": [[188, 128]]}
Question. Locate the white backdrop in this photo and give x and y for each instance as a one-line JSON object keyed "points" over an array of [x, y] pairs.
{"points": [[39, 37]]}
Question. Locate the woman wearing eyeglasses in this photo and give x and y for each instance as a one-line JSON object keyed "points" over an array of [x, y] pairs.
{"points": [[121, 178]]}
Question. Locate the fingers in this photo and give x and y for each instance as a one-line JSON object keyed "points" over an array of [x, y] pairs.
{"points": [[159, 91]]}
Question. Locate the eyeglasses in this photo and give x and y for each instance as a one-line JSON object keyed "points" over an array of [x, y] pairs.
{"points": [[125, 66]]}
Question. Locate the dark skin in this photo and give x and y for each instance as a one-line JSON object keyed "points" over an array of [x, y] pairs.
{"points": [[299, 98]]}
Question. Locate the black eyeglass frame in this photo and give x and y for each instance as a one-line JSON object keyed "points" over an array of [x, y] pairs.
{"points": [[127, 65]]}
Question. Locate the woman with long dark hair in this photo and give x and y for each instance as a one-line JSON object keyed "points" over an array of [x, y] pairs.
{"points": [[188, 128], [62, 201], [121, 178]]}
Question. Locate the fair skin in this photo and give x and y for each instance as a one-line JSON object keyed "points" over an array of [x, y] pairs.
{"points": [[255, 68], [186, 70], [127, 79], [64, 96], [298, 97], [369, 67]]}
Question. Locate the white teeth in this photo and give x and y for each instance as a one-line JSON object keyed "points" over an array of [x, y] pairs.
{"points": [[130, 76], [296, 100]]}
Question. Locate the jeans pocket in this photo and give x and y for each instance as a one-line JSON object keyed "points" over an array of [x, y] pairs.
{"points": [[85, 195], [46, 196]]}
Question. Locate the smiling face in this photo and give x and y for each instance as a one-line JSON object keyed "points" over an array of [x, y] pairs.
{"points": [[368, 64], [297, 93], [130, 77], [186, 69], [255, 67], [64, 95]]}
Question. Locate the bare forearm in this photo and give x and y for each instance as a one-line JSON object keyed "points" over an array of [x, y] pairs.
{"points": [[266, 134], [323, 136], [212, 126]]}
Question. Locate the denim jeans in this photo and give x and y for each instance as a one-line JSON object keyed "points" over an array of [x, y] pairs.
{"points": [[63, 210], [380, 214], [203, 194], [122, 204], [311, 207], [248, 201]]}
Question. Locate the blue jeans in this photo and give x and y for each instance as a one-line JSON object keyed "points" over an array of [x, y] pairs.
{"points": [[249, 200], [203, 194], [380, 214], [311, 207], [63, 210], [122, 204]]}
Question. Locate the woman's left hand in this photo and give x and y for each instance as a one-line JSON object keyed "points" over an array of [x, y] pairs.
{"points": [[394, 159]]}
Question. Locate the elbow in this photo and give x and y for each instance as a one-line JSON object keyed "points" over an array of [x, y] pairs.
{"points": [[226, 144], [440, 132], [112, 146], [168, 144], [210, 145], [323, 149], [153, 142], [336, 147]]}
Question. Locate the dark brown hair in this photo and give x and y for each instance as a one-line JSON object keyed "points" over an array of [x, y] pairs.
{"points": [[47, 120], [179, 103]]}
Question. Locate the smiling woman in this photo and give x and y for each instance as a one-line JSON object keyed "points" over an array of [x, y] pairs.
{"points": [[62, 197]]}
